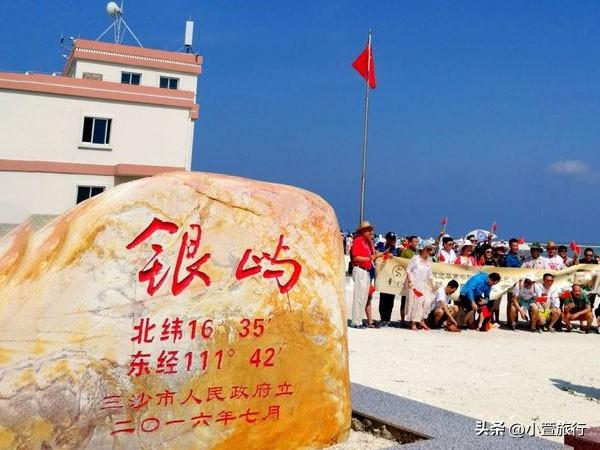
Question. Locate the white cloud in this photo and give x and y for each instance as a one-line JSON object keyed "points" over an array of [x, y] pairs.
{"points": [[569, 167]]}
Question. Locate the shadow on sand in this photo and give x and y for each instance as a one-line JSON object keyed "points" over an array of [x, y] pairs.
{"points": [[591, 393]]}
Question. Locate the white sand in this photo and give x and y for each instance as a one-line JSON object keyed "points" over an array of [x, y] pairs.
{"points": [[500, 375], [362, 441]]}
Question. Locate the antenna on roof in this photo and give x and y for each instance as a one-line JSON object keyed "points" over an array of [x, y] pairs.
{"points": [[189, 36], [63, 41], [119, 26]]}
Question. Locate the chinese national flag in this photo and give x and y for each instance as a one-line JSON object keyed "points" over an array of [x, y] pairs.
{"points": [[444, 220], [575, 247], [494, 227], [365, 65]]}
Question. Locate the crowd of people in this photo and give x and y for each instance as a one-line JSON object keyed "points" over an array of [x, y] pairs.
{"points": [[539, 304]]}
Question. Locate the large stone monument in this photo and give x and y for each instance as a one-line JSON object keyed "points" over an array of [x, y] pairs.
{"points": [[184, 311]]}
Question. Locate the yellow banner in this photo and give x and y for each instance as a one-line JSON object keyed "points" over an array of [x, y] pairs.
{"points": [[391, 275]]}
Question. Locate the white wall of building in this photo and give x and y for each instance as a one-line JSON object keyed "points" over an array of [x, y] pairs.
{"points": [[45, 127], [24, 193], [150, 77]]}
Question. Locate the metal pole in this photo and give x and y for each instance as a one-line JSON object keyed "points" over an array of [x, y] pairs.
{"points": [[363, 179]]}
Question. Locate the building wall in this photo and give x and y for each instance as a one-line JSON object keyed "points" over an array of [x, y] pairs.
{"points": [[46, 127], [25, 193], [150, 77]]}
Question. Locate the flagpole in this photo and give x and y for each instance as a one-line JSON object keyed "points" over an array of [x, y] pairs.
{"points": [[363, 179]]}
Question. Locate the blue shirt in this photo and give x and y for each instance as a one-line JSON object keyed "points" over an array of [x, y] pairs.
{"points": [[382, 247], [476, 287], [513, 260]]}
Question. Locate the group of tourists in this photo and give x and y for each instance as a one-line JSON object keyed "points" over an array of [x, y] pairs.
{"points": [[541, 305]]}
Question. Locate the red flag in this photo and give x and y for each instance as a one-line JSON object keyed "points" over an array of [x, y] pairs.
{"points": [[521, 241], [444, 220], [494, 227], [418, 293], [565, 295], [574, 247], [485, 312], [365, 65]]}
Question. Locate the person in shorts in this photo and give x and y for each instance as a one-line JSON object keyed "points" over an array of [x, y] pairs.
{"points": [[442, 309], [577, 307], [551, 307], [524, 302]]}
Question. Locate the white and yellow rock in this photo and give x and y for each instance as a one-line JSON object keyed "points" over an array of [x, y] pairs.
{"points": [[70, 298]]}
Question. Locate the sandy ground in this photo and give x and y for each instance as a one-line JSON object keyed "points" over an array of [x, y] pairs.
{"points": [[362, 441], [501, 375]]}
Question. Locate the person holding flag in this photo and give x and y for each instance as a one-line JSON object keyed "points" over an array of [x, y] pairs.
{"points": [[362, 257], [563, 253], [420, 288], [589, 257], [475, 294], [524, 302]]}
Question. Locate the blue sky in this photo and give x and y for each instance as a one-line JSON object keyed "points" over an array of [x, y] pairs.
{"points": [[483, 111]]}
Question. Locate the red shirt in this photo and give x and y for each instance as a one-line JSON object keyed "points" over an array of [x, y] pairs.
{"points": [[360, 247]]}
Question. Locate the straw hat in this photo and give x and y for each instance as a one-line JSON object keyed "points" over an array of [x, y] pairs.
{"points": [[551, 244], [363, 226]]}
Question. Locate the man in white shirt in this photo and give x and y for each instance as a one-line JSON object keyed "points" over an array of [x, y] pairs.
{"points": [[553, 261], [524, 301], [442, 308], [446, 254], [551, 309], [535, 261]]}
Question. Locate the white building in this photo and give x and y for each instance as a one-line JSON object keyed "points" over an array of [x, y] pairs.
{"points": [[115, 114]]}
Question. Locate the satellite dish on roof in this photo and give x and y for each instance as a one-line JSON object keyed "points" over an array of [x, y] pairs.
{"points": [[113, 9], [118, 25]]}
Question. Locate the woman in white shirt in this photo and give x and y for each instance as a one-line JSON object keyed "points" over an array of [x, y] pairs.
{"points": [[420, 288]]}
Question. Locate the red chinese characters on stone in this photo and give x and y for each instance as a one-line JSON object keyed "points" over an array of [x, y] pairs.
{"points": [[155, 272], [244, 270]]}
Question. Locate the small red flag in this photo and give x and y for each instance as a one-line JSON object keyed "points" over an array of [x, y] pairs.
{"points": [[365, 65], [444, 220], [521, 241], [485, 312], [418, 293], [574, 247], [494, 227]]}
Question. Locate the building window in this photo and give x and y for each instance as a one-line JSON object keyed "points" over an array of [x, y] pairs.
{"points": [[169, 83], [92, 76], [85, 192], [130, 78], [96, 130]]}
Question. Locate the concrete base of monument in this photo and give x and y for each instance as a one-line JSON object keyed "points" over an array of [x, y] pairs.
{"points": [[412, 424]]}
